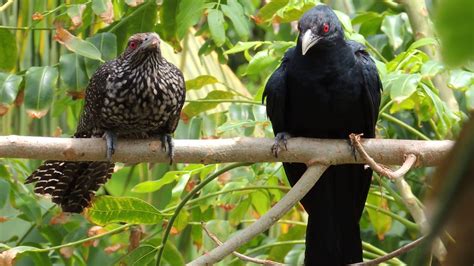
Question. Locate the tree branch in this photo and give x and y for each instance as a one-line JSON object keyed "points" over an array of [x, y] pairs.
{"points": [[329, 152], [304, 184]]}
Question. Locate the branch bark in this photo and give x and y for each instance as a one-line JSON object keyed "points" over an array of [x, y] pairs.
{"points": [[304, 184], [328, 152]]}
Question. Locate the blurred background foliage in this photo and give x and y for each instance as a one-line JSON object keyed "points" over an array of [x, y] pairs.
{"points": [[226, 49]]}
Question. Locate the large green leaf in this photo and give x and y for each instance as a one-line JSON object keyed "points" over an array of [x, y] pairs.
{"points": [[189, 13], [401, 86], [395, 28], [199, 82], [381, 222], [168, 14], [215, 19], [142, 255], [259, 62], [270, 9], [73, 71], [8, 51], [234, 11], [106, 43], [9, 87], [39, 87], [108, 209], [151, 186], [195, 108], [77, 45]]}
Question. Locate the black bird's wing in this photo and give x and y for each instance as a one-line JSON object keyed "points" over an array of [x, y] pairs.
{"points": [[276, 94], [371, 85]]}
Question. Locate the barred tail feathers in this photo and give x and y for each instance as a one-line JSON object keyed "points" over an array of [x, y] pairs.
{"points": [[70, 184]]}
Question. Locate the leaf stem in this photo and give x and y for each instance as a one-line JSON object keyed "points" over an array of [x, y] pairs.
{"points": [[187, 198], [406, 222], [404, 125]]}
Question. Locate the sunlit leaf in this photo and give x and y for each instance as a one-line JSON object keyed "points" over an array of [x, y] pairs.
{"points": [[270, 9], [401, 86], [104, 9], [345, 21], [106, 43], [108, 209], [151, 186], [460, 79], [8, 51], [199, 82], [168, 13], [76, 45], [431, 68], [242, 46], [216, 26], [9, 87], [195, 108], [395, 29], [381, 222], [73, 71], [259, 62], [234, 11], [189, 13], [422, 42], [40, 83]]}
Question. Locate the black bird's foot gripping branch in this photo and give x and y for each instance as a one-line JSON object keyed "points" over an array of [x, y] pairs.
{"points": [[281, 142]]}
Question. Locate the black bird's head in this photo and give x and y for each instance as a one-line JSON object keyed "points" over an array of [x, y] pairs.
{"points": [[319, 26], [142, 45]]}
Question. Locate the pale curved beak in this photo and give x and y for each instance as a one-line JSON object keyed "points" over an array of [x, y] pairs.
{"points": [[308, 41], [151, 41]]}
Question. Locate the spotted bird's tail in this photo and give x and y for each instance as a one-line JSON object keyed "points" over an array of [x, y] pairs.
{"points": [[70, 184]]}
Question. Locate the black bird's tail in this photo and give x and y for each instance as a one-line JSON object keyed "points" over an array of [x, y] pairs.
{"points": [[70, 184], [334, 206]]}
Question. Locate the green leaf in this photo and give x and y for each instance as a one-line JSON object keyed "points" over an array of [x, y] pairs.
{"points": [[243, 46], [189, 13], [454, 23], [82, 47], [259, 62], [172, 255], [4, 192], [260, 202], [460, 79], [106, 43], [394, 28], [345, 21], [8, 52], [216, 26], [381, 222], [151, 186], [39, 87], [270, 9], [108, 209], [199, 82], [237, 214], [168, 14], [431, 68], [402, 86], [142, 255], [422, 42], [470, 98], [73, 71], [195, 108], [9, 87], [99, 6], [234, 11]]}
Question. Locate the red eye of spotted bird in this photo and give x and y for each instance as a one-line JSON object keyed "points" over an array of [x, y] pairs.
{"points": [[133, 44], [325, 27]]}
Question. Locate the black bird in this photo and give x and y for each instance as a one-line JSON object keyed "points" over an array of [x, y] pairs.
{"points": [[137, 95], [326, 87]]}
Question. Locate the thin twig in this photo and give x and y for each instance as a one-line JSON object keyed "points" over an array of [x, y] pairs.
{"points": [[237, 254], [393, 254], [6, 5]]}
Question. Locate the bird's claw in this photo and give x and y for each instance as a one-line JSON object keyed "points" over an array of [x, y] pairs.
{"points": [[353, 149], [281, 140], [111, 140], [167, 145]]}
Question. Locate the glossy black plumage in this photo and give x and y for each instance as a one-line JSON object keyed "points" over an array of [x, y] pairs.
{"points": [[329, 92], [137, 95]]}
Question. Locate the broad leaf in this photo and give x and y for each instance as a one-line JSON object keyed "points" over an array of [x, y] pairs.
{"points": [[199, 82], [270, 9], [395, 29], [215, 19], [151, 186], [402, 86], [108, 209], [168, 13], [106, 43], [234, 11], [422, 42], [77, 45], [189, 13], [9, 87], [142, 255], [381, 222], [104, 9], [243, 46], [260, 61], [8, 51], [73, 71], [39, 89], [195, 108]]}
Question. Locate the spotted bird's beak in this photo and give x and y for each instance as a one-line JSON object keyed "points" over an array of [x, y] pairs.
{"points": [[309, 40], [152, 41]]}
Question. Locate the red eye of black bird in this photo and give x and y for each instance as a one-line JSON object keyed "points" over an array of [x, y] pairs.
{"points": [[133, 44], [325, 27]]}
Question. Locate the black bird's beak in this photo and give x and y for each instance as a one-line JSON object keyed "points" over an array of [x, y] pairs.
{"points": [[309, 40], [152, 41]]}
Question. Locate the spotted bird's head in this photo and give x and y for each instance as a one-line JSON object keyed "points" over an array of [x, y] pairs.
{"points": [[319, 26], [141, 46]]}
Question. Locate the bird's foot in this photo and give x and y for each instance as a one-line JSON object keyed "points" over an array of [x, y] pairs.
{"points": [[353, 149], [111, 140], [167, 145], [281, 140]]}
